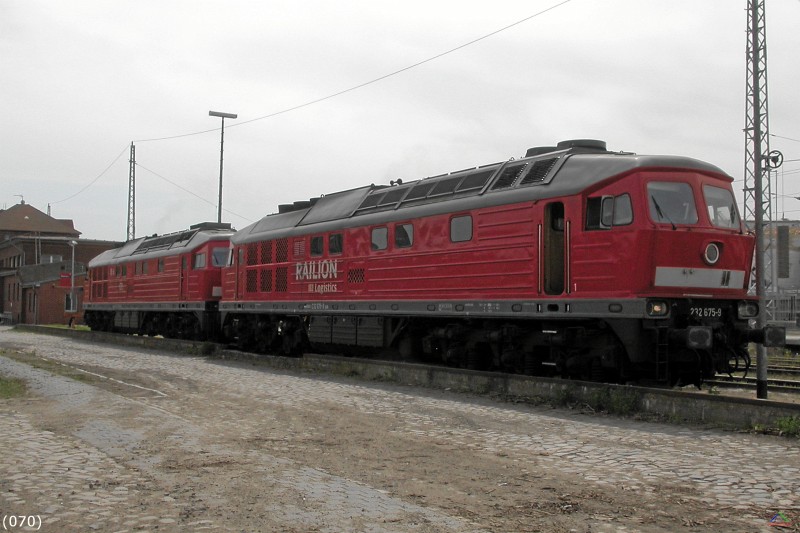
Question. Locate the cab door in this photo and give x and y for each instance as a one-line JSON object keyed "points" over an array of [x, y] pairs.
{"points": [[554, 244], [184, 278]]}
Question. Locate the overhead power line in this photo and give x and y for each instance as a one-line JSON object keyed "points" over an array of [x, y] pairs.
{"points": [[786, 138], [370, 82], [184, 189], [312, 102], [95, 179]]}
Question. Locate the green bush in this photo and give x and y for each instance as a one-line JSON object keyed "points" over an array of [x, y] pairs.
{"points": [[789, 426]]}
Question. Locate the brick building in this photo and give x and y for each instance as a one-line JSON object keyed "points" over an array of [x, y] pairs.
{"points": [[36, 259]]}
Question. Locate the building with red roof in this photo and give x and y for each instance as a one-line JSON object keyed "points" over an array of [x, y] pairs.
{"points": [[38, 284]]}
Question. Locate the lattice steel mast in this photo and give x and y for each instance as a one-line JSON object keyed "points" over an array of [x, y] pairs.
{"points": [[131, 233], [757, 190]]}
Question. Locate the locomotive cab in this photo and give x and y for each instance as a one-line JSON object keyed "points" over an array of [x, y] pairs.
{"points": [[680, 248]]}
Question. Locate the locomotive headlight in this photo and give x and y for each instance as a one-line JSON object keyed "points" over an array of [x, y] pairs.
{"points": [[747, 310], [657, 308], [712, 253]]}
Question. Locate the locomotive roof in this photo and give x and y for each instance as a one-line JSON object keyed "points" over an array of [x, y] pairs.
{"points": [[544, 173], [163, 245]]}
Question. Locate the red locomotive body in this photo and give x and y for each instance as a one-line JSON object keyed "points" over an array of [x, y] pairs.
{"points": [[161, 285], [606, 265]]}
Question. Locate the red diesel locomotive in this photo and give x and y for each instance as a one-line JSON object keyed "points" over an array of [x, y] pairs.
{"points": [[604, 265], [607, 265], [166, 285]]}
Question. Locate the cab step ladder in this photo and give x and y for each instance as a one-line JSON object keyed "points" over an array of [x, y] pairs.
{"points": [[662, 353]]}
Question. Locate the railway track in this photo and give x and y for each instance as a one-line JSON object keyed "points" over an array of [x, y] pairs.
{"points": [[778, 385], [787, 370]]}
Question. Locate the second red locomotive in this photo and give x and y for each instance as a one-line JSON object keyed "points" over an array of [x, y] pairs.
{"points": [[161, 285]]}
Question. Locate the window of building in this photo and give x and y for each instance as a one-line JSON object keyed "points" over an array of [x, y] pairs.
{"points": [[335, 243], [69, 305], [461, 228], [380, 238], [403, 235]]}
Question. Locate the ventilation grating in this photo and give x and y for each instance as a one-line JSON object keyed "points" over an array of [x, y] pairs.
{"points": [[539, 171]]}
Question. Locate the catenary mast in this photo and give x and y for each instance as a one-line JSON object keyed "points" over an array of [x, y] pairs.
{"points": [[131, 233], [757, 191]]}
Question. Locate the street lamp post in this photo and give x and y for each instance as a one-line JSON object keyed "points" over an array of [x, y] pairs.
{"points": [[223, 116], [72, 306]]}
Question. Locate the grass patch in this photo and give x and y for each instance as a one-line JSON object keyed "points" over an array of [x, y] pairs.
{"points": [[787, 426], [564, 397], [204, 349], [64, 326], [54, 367], [11, 387], [615, 401]]}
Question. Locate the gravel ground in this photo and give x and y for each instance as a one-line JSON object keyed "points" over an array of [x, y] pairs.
{"points": [[119, 439]]}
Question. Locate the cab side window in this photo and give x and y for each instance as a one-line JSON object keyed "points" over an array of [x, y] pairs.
{"points": [[335, 243], [605, 212], [403, 235], [316, 246], [461, 228], [380, 238]]}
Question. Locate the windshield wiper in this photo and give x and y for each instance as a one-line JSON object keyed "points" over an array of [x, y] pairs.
{"points": [[661, 213], [735, 218]]}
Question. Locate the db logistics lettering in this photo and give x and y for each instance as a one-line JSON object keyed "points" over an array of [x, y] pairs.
{"points": [[322, 288]]}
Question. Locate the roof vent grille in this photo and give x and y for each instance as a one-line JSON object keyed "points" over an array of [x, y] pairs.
{"points": [[539, 171], [508, 176]]}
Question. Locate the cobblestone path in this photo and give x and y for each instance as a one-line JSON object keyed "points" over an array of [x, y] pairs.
{"points": [[152, 441]]}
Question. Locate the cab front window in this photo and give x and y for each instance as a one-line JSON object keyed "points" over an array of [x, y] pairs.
{"points": [[721, 207], [671, 203], [219, 257]]}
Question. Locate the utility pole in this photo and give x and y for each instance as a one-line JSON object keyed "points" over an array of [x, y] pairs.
{"points": [[757, 190], [131, 233]]}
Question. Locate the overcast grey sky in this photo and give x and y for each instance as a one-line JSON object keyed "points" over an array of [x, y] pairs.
{"points": [[81, 79]]}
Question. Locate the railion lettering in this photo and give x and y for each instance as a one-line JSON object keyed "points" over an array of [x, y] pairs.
{"points": [[316, 270]]}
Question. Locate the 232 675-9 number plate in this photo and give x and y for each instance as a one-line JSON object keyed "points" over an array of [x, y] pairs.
{"points": [[706, 312]]}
